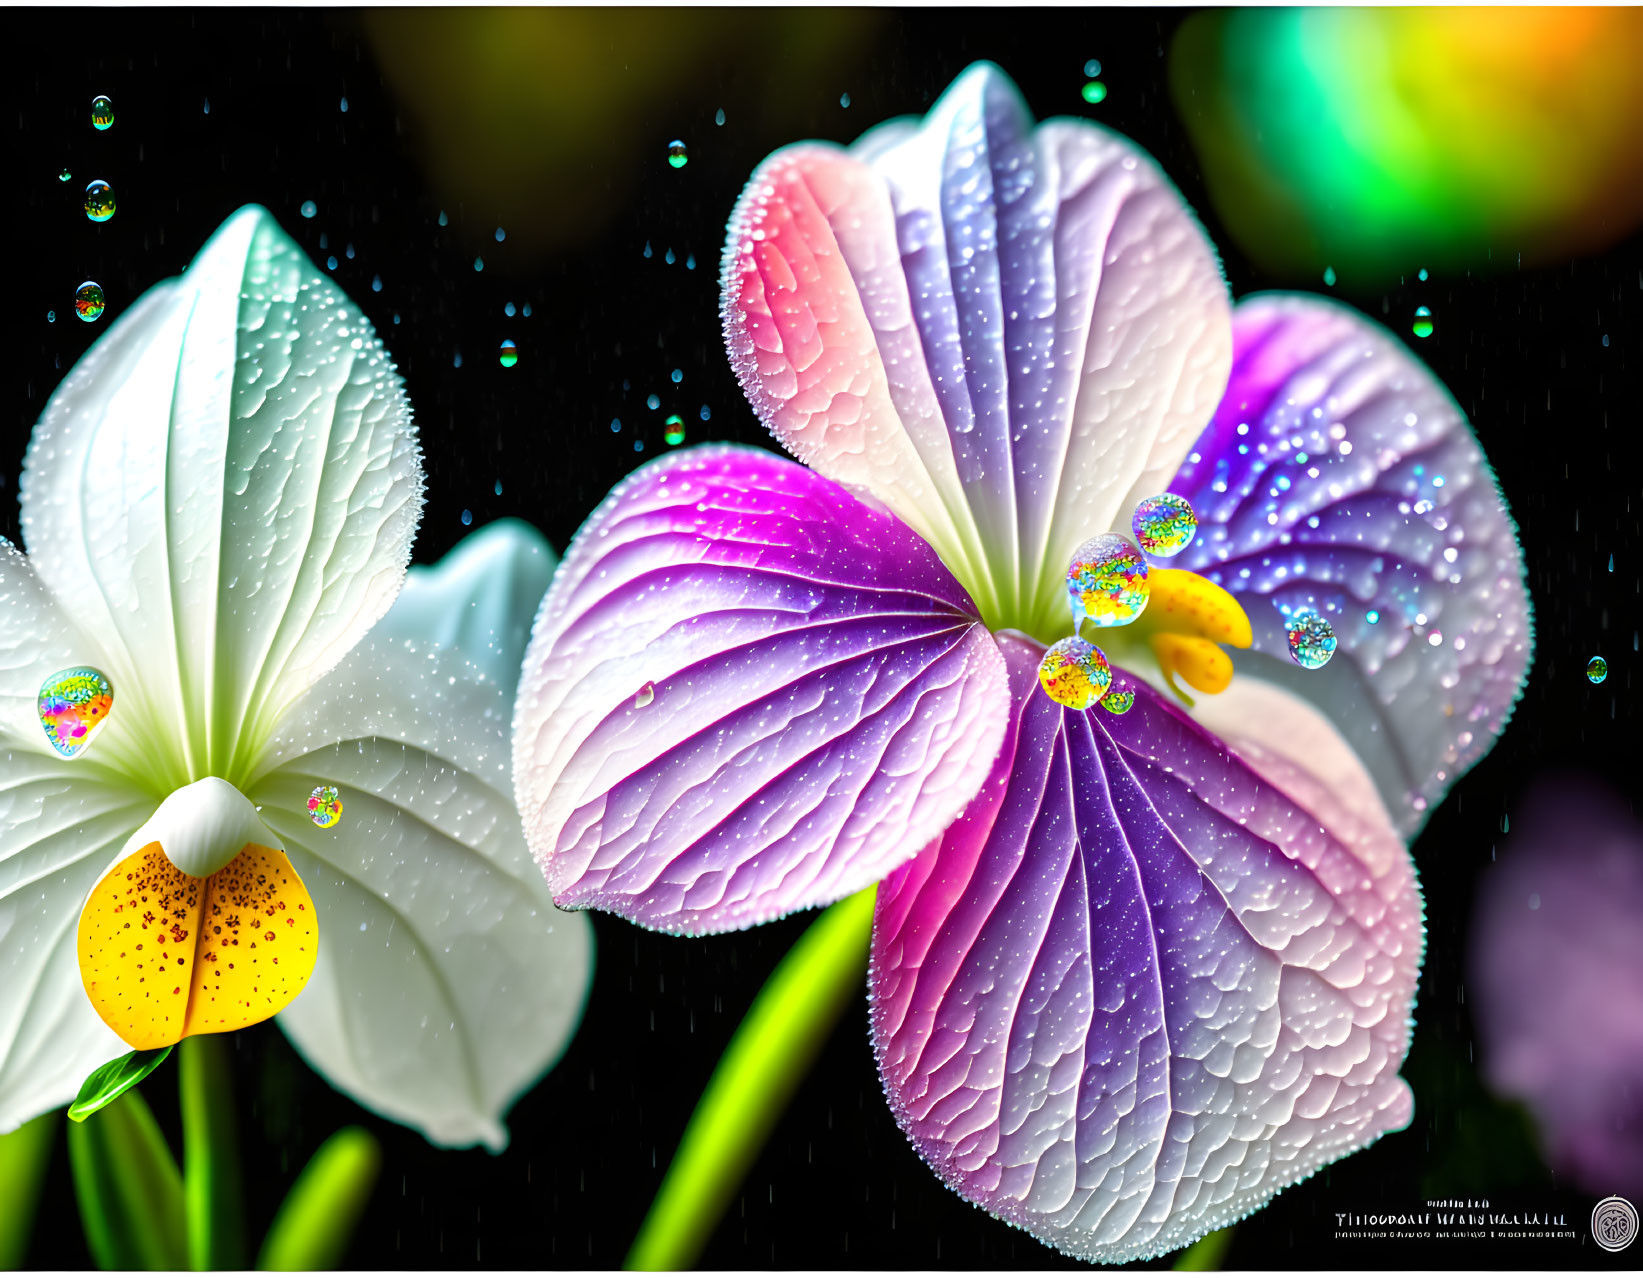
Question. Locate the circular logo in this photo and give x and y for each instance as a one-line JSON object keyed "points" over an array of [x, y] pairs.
{"points": [[1614, 1224]]}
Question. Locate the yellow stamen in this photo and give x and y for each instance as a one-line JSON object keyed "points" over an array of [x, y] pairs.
{"points": [[1187, 617], [164, 954]]}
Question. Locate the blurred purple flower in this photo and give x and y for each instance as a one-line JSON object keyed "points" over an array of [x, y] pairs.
{"points": [[1556, 969]]}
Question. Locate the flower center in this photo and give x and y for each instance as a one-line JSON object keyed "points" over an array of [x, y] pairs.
{"points": [[202, 926]]}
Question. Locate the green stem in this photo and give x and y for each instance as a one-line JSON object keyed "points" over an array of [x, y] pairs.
{"points": [[1207, 1253], [130, 1192], [772, 1050], [211, 1164], [316, 1221], [24, 1155]]}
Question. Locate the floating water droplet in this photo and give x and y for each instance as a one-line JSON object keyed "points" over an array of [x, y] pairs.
{"points": [[526, 310], [1311, 639], [1372, 616], [74, 705], [467, 518], [1330, 276], [344, 106], [64, 176], [1165, 525], [653, 402], [325, 806], [444, 219], [1118, 701], [644, 696], [1597, 670], [674, 429], [102, 113], [99, 200], [707, 413], [1107, 581], [719, 116], [669, 258], [499, 488], [1611, 562], [678, 376], [331, 262], [508, 356], [88, 301], [1422, 326], [1422, 274], [309, 208], [500, 235], [1094, 92], [844, 100], [508, 310], [51, 317], [1075, 673], [479, 264], [677, 155], [1092, 68]]}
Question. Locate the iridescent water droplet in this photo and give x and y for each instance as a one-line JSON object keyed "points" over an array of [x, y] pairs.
{"points": [[325, 806], [309, 208], [1373, 616], [1075, 673], [508, 355], [653, 402], [1311, 639], [678, 376], [1330, 276], [64, 176], [674, 429], [1107, 581], [677, 155], [1422, 326], [644, 696], [1118, 701], [1597, 670], [1165, 525], [99, 200], [74, 706], [102, 112], [1094, 92], [508, 310], [1092, 68], [88, 301]]}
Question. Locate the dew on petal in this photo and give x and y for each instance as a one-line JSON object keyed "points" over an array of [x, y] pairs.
{"points": [[1597, 670], [74, 705], [1422, 326], [677, 155], [102, 113], [1165, 525], [644, 696], [1075, 673], [1107, 581], [674, 429], [508, 355], [1311, 639], [99, 200], [325, 806], [88, 301]]}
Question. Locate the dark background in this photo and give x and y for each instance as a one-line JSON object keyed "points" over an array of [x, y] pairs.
{"points": [[838, 1185]]}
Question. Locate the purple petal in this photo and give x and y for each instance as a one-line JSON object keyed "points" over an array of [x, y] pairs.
{"points": [[1008, 334], [1557, 968], [1138, 988], [1339, 474], [748, 692]]}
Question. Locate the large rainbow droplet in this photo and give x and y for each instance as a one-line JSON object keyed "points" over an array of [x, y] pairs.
{"points": [[1075, 673], [74, 705], [1107, 581]]}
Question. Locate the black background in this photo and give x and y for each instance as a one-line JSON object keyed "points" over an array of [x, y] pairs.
{"points": [[837, 1185]]}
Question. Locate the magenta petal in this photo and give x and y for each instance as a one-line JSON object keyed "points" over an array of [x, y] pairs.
{"points": [[1138, 988], [1338, 474], [748, 692]]}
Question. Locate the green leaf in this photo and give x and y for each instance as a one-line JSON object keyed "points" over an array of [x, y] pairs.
{"points": [[316, 1221], [773, 1049], [106, 1082], [24, 1154], [129, 1188], [211, 1162], [1207, 1253]]}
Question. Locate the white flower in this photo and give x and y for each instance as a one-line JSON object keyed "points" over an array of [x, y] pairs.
{"points": [[218, 505]]}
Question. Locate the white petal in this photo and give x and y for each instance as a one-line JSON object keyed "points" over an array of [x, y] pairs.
{"points": [[61, 824], [203, 827], [480, 598], [224, 491], [447, 980]]}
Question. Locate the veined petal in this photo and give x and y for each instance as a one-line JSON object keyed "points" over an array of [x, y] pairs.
{"points": [[1009, 335], [748, 693], [224, 491], [1144, 982], [1338, 474], [61, 822], [447, 981]]}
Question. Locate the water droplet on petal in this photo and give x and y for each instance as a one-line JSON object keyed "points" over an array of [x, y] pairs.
{"points": [[74, 705], [674, 429], [1311, 639], [1118, 701], [509, 354], [99, 200], [677, 155], [88, 301], [1165, 525], [1107, 581], [1422, 326], [325, 806], [1597, 670], [102, 113], [644, 696], [1075, 673]]}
